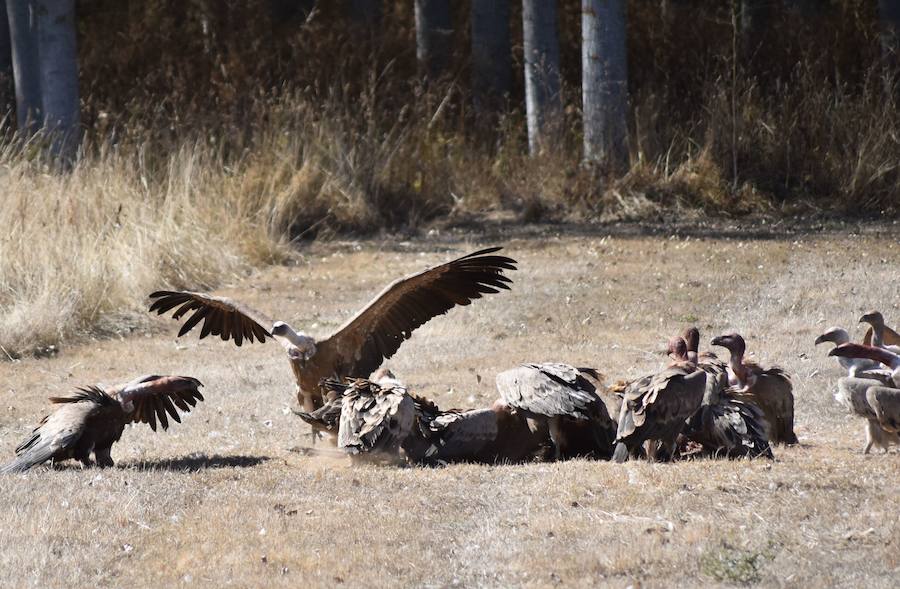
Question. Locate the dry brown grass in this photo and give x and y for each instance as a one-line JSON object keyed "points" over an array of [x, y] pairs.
{"points": [[221, 500]]}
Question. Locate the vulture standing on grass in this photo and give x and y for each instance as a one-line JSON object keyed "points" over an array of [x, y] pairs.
{"points": [[361, 344], [92, 419], [656, 407], [877, 402], [840, 336], [880, 335], [769, 389], [724, 425], [561, 404]]}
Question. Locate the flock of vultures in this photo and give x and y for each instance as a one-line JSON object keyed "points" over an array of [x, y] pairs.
{"points": [[698, 405]]}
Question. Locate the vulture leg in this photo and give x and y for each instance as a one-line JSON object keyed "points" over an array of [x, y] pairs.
{"points": [[104, 457], [557, 436], [82, 454]]}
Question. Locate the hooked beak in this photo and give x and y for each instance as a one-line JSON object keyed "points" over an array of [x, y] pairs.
{"points": [[822, 339], [718, 341]]}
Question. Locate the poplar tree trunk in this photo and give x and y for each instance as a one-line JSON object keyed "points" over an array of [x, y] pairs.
{"points": [[58, 61], [434, 29], [491, 55], [604, 68], [543, 102], [7, 99], [26, 69]]}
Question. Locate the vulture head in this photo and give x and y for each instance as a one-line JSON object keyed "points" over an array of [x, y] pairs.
{"points": [[875, 319], [299, 346], [836, 335], [733, 342], [678, 349]]}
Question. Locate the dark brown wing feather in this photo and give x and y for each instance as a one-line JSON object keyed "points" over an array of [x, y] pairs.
{"points": [[219, 315], [377, 331], [890, 337], [157, 398]]}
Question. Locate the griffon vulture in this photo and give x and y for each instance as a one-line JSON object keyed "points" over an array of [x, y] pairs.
{"points": [[361, 344], [561, 403], [656, 406], [853, 365], [770, 389], [92, 419], [724, 425], [879, 334]]}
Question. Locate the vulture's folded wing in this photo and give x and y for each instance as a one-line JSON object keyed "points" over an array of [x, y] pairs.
{"points": [[220, 316], [551, 390], [891, 337], [160, 397], [360, 345]]}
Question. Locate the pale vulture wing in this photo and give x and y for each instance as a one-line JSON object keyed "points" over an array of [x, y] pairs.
{"points": [[360, 345], [550, 390], [373, 419], [852, 395], [160, 397], [886, 403], [220, 316], [891, 337]]}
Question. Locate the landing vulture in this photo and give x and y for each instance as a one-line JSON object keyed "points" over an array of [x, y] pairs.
{"points": [[840, 336], [656, 406], [361, 344], [92, 419], [768, 388], [725, 425], [561, 403], [879, 334]]}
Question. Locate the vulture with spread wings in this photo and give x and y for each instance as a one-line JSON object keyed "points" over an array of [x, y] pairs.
{"points": [[361, 344], [92, 419]]}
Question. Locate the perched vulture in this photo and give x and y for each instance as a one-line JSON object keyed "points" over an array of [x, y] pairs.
{"points": [[770, 389], [880, 335], [724, 425], [853, 365], [872, 399], [92, 419], [375, 420], [560, 403], [656, 407], [361, 344]]}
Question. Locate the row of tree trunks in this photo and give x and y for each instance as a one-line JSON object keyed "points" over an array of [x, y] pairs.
{"points": [[45, 69]]}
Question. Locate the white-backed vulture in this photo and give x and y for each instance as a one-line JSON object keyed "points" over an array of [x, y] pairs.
{"points": [[879, 334], [656, 406], [768, 388], [92, 419], [724, 425], [561, 402], [359, 345], [852, 365]]}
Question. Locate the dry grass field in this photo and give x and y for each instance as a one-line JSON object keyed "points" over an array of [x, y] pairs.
{"points": [[224, 499]]}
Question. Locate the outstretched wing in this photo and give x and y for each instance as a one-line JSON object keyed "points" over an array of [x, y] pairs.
{"points": [[220, 316], [160, 397], [360, 345], [550, 390]]}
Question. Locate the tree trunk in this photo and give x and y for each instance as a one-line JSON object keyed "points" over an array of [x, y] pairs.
{"points": [[365, 12], [26, 74], [58, 60], [604, 68], [754, 19], [491, 56], [6, 72], [434, 29], [543, 102], [889, 17]]}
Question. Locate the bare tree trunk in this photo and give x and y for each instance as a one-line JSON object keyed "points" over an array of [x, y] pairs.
{"points": [[365, 12], [491, 56], [58, 60], [604, 67], [24, 40], [6, 72], [434, 29], [889, 17], [543, 102]]}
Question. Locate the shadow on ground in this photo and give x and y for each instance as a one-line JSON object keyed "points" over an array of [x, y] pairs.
{"points": [[195, 462]]}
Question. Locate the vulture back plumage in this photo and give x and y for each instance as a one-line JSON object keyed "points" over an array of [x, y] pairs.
{"points": [[375, 420]]}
